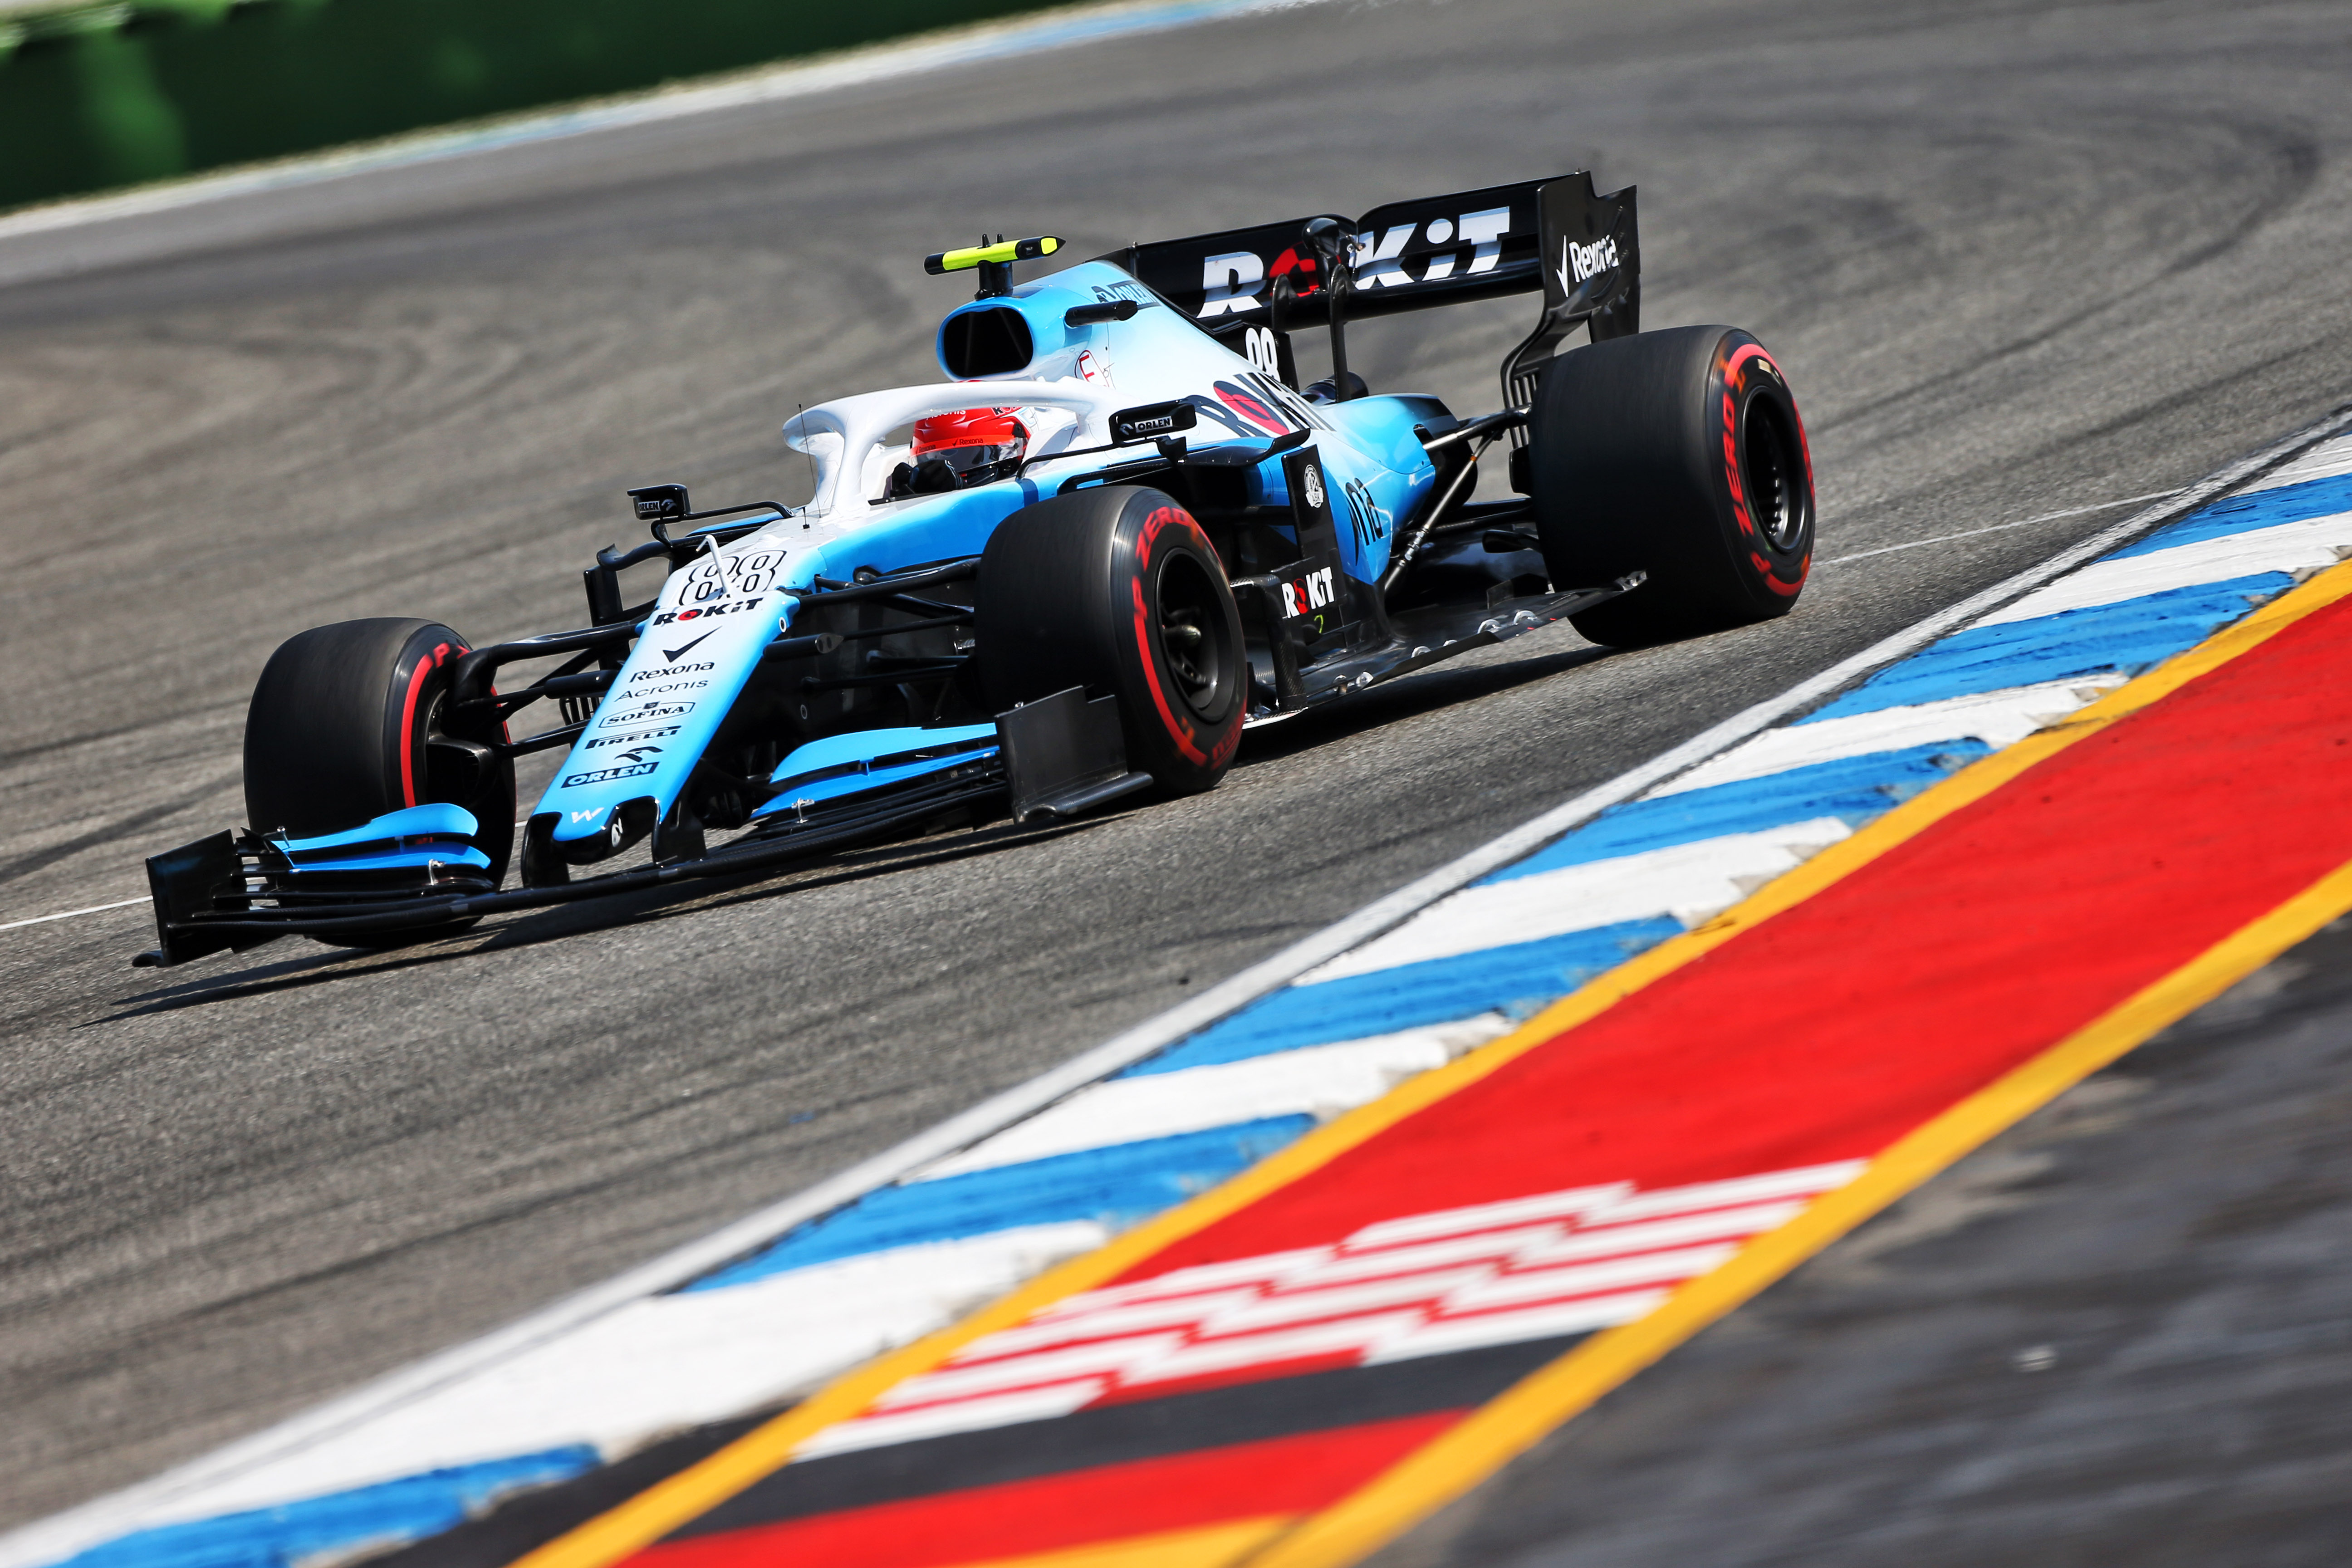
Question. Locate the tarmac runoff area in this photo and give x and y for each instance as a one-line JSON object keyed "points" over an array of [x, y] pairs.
{"points": [[2091, 255], [1464, 1179]]}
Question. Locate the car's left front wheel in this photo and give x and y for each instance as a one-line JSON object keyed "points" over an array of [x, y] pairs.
{"points": [[1116, 589]]}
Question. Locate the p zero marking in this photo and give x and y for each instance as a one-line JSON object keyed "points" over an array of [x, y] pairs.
{"points": [[1361, 1522]]}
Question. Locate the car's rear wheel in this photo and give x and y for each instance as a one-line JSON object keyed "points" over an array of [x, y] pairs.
{"points": [[1118, 590], [349, 721], [1679, 454]]}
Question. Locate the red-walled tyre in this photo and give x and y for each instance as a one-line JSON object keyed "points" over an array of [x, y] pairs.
{"points": [[1118, 590], [1680, 454]]}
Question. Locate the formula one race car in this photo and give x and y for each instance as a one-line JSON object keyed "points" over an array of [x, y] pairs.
{"points": [[1120, 534]]}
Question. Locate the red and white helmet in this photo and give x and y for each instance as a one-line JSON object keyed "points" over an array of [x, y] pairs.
{"points": [[977, 444]]}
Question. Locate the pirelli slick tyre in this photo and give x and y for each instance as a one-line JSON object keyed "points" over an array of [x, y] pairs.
{"points": [[1118, 590], [1680, 454], [342, 728]]}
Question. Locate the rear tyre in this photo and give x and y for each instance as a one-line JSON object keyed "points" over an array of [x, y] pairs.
{"points": [[1118, 590], [348, 723], [1679, 454]]}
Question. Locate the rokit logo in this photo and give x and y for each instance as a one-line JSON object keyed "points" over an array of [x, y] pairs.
{"points": [[1305, 595], [600, 775], [1382, 255], [731, 606], [1579, 262], [1235, 282]]}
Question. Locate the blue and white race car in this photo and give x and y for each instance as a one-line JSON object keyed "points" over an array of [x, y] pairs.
{"points": [[1117, 536]]}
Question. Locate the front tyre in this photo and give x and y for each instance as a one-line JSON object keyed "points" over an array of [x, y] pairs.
{"points": [[350, 722], [1118, 590], [1680, 454]]}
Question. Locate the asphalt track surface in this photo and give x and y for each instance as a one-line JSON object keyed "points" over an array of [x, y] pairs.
{"points": [[2017, 261]]}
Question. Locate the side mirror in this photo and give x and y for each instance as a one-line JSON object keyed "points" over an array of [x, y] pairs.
{"points": [[661, 503], [1105, 310], [1151, 420]]}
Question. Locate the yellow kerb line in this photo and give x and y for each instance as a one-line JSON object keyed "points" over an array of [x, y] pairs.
{"points": [[662, 1508], [1167, 1549]]}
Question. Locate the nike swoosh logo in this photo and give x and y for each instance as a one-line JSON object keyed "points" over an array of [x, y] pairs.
{"points": [[672, 654]]}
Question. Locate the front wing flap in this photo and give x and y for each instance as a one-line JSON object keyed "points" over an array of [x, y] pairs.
{"points": [[405, 873]]}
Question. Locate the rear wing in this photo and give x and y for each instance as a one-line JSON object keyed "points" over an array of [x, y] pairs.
{"points": [[1581, 251]]}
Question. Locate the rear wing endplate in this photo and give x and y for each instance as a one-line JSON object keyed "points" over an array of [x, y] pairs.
{"points": [[1580, 249]]}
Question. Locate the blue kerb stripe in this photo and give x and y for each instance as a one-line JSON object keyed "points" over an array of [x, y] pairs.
{"points": [[1519, 978], [1853, 789], [390, 1512], [2243, 514], [1117, 1185], [2127, 637]]}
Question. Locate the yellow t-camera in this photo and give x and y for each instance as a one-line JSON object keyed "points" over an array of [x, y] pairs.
{"points": [[1001, 252]]}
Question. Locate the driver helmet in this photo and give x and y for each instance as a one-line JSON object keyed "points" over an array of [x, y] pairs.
{"points": [[976, 444]]}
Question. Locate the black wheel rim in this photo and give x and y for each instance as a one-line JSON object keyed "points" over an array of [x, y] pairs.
{"points": [[1192, 634], [1768, 469]]}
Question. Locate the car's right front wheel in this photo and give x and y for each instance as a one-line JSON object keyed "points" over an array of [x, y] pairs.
{"points": [[1678, 454]]}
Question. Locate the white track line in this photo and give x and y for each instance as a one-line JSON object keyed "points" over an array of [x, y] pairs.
{"points": [[69, 914], [63, 1534], [2000, 526]]}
